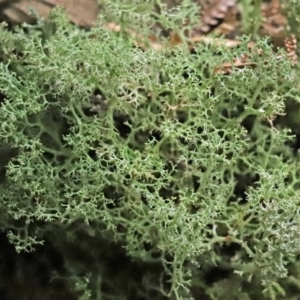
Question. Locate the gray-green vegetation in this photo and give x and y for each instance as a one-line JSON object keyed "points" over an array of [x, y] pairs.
{"points": [[111, 148]]}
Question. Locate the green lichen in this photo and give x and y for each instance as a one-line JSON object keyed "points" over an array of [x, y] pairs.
{"points": [[153, 151]]}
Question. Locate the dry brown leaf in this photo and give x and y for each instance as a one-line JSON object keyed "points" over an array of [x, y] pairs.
{"points": [[216, 41], [230, 26], [245, 60], [80, 12]]}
